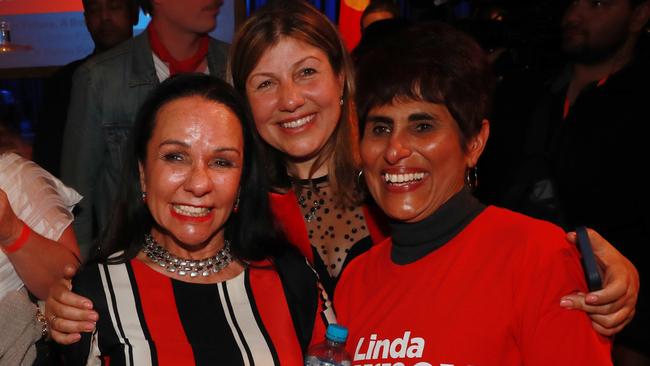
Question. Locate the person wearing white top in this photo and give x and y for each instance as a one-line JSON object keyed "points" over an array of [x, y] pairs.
{"points": [[36, 242], [36, 238]]}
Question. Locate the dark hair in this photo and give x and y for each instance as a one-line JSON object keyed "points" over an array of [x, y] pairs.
{"points": [[250, 230], [431, 62], [376, 35], [301, 21]]}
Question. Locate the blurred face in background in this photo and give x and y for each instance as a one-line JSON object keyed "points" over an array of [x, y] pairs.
{"points": [[110, 22], [593, 30]]}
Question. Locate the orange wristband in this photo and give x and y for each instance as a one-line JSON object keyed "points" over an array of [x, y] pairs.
{"points": [[22, 239]]}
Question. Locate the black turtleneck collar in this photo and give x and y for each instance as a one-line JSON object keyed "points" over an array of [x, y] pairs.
{"points": [[412, 241]]}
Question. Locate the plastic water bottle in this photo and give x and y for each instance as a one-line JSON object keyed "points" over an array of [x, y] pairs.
{"points": [[332, 351]]}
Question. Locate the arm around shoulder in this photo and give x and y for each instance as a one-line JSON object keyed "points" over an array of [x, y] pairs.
{"points": [[550, 268]]}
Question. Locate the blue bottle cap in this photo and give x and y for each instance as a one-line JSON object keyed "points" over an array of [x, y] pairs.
{"points": [[336, 333]]}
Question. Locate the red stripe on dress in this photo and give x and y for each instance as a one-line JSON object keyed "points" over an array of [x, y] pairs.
{"points": [[161, 316], [273, 309]]}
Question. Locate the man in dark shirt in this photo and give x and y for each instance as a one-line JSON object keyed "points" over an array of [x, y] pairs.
{"points": [[109, 22], [586, 146]]}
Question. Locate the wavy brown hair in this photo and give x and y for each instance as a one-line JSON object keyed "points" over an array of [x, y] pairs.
{"points": [[301, 21]]}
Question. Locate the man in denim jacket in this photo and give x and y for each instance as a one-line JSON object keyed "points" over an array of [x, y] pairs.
{"points": [[108, 90]]}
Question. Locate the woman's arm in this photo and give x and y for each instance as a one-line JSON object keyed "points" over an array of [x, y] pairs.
{"points": [[611, 308], [40, 261]]}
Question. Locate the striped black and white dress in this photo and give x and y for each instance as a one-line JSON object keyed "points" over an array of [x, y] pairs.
{"points": [[147, 318]]}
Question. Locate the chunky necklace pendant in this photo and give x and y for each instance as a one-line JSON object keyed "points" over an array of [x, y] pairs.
{"points": [[183, 266]]}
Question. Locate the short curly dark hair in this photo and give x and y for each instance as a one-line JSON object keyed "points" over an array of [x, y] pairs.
{"points": [[431, 62]]}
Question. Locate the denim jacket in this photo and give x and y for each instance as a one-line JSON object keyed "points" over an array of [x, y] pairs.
{"points": [[107, 91]]}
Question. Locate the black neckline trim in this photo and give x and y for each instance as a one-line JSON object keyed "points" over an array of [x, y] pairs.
{"points": [[309, 181], [412, 241]]}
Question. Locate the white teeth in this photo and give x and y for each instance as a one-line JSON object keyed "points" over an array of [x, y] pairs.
{"points": [[191, 210], [403, 178], [298, 123]]}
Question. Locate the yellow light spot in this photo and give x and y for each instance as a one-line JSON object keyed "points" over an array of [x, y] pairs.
{"points": [[358, 5]]}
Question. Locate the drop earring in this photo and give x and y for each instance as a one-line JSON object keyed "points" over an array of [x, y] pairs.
{"points": [[235, 208]]}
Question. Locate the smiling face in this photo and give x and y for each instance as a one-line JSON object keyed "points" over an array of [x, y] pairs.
{"points": [[413, 161], [295, 97], [191, 174]]}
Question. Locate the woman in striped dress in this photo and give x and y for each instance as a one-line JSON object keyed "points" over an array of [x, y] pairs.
{"points": [[189, 271]]}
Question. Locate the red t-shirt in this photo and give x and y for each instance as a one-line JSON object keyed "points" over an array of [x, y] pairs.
{"points": [[490, 296]]}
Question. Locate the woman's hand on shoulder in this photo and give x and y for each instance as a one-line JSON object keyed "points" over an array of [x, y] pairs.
{"points": [[68, 314], [612, 307]]}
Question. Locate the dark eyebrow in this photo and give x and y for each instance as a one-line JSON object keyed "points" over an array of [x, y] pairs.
{"points": [[379, 119], [297, 63], [186, 145], [302, 60], [417, 117], [174, 142], [227, 149]]}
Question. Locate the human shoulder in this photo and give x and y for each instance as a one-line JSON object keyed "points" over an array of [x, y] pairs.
{"points": [[113, 63], [117, 54], [64, 73], [520, 228], [530, 246], [95, 273]]}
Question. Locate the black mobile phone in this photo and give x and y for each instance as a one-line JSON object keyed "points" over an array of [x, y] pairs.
{"points": [[589, 265]]}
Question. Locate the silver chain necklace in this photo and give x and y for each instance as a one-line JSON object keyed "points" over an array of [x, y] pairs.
{"points": [[182, 266]]}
